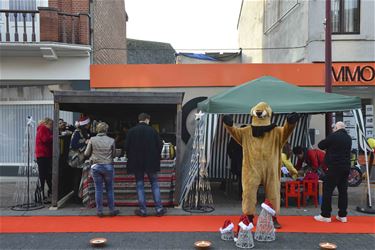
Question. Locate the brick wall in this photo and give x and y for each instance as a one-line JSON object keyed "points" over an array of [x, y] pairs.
{"points": [[49, 25], [65, 25], [70, 6], [109, 34]]}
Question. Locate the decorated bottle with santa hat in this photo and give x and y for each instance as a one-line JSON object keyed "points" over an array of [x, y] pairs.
{"points": [[244, 237], [226, 231], [265, 229]]}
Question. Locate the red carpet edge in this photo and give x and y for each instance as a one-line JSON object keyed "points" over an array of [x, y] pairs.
{"points": [[80, 224]]}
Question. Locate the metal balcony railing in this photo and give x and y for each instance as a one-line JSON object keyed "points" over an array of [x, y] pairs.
{"points": [[19, 16], [27, 26]]}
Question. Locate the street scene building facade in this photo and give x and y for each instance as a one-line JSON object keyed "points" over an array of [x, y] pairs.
{"points": [[235, 135], [294, 32]]}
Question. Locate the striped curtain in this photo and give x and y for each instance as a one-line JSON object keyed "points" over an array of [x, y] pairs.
{"points": [[362, 142], [361, 135]]}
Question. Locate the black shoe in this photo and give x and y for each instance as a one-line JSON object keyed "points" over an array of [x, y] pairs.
{"points": [[276, 224], [251, 218], [77, 200], [140, 213], [101, 215], [114, 213], [47, 201], [161, 212]]}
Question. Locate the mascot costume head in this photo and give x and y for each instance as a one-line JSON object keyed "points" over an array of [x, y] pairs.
{"points": [[261, 119]]}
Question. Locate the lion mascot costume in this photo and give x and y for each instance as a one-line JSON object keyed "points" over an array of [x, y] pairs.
{"points": [[262, 143]]}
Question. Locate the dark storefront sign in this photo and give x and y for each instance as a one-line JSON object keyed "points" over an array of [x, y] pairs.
{"points": [[360, 73]]}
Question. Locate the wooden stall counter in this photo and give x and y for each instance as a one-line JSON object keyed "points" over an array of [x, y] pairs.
{"points": [[125, 189]]}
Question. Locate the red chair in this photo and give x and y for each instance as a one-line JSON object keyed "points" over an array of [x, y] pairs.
{"points": [[310, 188], [292, 190]]}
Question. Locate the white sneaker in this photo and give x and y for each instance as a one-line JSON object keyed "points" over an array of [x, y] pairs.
{"points": [[342, 219], [321, 218]]}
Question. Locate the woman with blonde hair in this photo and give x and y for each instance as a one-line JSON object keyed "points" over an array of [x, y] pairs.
{"points": [[43, 153], [101, 150]]}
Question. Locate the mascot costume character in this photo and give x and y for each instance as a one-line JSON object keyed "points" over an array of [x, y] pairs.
{"points": [[261, 144]]}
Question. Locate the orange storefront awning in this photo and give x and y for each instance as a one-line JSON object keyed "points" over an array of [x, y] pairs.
{"points": [[225, 75]]}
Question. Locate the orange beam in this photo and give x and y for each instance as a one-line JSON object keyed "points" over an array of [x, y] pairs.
{"points": [[221, 75]]}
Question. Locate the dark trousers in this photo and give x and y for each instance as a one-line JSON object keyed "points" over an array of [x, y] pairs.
{"points": [[77, 175], [45, 173], [336, 177]]}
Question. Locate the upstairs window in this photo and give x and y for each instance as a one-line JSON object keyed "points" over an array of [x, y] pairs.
{"points": [[345, 16]]}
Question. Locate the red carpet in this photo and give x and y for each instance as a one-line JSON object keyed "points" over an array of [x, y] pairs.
{"points": [[62, 224]]}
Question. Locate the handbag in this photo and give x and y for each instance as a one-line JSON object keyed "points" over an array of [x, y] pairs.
{"points": [[76, 157]]}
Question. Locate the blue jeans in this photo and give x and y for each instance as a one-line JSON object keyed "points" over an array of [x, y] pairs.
{"points": [[103, 173], [155, 192]]}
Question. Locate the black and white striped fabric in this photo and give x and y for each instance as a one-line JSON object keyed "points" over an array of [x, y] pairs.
{"points": [[362, 142], [218, 166]]}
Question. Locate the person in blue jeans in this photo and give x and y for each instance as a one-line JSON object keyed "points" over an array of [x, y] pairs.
{"points": [[143, 147], [101, 150]]}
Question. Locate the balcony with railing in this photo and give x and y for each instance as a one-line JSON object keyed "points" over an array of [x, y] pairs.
{"points": [[44, 25]]}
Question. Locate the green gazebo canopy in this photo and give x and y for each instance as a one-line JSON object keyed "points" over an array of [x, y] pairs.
{"points": [[281, 96]]}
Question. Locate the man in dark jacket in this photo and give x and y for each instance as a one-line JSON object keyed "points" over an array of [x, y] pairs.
{"points": [[143, 147], [234, 151], [338, 146]]}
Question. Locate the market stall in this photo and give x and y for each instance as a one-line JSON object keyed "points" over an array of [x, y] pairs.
{"points": [[118, 109], [284, 98]]}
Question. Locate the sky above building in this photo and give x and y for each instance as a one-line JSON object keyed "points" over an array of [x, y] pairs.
{"points": [[199, 25]]}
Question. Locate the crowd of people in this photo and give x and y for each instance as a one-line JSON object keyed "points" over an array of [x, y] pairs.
{"points": [[142, 146], [329, 162]]}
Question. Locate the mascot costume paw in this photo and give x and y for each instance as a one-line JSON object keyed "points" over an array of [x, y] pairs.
{"points": [[261, 144]]}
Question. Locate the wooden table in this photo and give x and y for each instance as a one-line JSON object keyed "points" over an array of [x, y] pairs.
{"points": [[125, 187]]}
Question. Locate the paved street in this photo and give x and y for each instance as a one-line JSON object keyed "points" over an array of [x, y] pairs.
{"points": [[298, 241]]}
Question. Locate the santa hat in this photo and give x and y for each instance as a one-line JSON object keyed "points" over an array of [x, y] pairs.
{"points": [[267, 205], [244, 223], [227, 227], [84, 120]]}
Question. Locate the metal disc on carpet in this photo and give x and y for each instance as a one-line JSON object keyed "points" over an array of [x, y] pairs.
{"points": [[202, 244], [98, 242], [327, 246]]}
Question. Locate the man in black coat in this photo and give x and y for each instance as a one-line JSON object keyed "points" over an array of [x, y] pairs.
{"points": [[143, 147], [338, 147]]}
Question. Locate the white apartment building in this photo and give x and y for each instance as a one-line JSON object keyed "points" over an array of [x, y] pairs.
{"points": [[293, 31]]}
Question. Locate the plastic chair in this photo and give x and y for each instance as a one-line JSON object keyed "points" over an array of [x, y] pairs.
{"points": [[292, 190], [310, 188]]}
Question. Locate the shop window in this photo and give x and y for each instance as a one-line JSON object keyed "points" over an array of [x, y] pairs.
{"points": [[345, 16]]}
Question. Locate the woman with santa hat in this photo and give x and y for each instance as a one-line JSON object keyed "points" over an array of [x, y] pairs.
{"points": [[79, 142]]}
